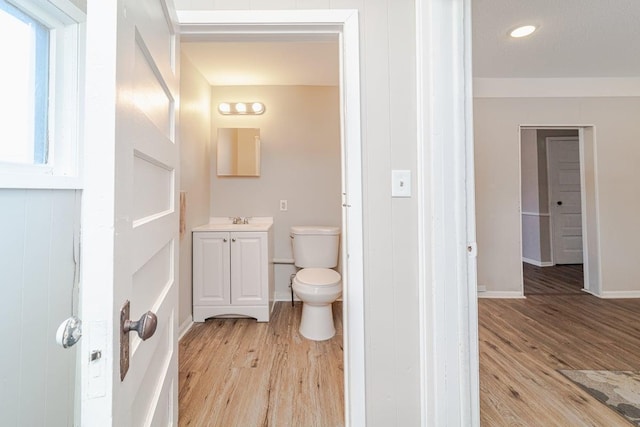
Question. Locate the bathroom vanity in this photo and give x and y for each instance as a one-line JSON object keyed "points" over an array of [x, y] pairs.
{"points": [[233, 269]]}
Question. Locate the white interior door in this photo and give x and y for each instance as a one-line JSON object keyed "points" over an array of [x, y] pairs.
{"points": [[565, 199], [130, 216]]}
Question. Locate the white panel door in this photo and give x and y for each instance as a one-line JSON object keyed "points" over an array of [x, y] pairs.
{"points": [[565, 200], [249, 260], [130, 216]]}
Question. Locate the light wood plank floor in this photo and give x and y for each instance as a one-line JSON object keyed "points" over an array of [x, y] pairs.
{"points": [[559, 279], [238, 372], [524, 342]]}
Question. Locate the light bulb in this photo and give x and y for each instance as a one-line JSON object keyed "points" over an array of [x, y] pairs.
{"points": [[523, 31], [241, 107], [257, 107]]}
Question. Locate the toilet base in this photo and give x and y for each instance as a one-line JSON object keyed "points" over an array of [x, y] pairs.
{"points": [[317, 322]]}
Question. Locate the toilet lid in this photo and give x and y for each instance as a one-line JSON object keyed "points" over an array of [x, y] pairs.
{"points": [[318, 276]]}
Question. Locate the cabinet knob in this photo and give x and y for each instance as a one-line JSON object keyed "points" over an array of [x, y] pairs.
{"points": [[224, 240], [233, 240]]}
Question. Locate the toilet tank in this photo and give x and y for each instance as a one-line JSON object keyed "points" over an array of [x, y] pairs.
{"points": [[315, 246]]}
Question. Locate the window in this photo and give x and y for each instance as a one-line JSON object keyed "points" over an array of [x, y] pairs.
{"points": [[25, 85], [40, 80]]}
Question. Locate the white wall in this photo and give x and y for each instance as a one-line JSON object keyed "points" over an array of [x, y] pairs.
{"points": [[617, 152], [530, 197], [39, 232], [300, 163], [388, 99], [195, 125]]}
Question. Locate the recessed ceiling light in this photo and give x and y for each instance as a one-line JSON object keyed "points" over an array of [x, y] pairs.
{"points": [[523, 31]]}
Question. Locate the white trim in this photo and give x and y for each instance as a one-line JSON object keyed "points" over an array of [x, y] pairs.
{"points": [[203, 25], [538, 263], [185, 327], [502, 294], [446, 272], [283, 261], [555, 87], [535, 214], [617, 294]]}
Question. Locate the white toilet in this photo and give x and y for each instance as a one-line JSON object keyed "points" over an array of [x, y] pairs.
{"points": [[315, 251]]}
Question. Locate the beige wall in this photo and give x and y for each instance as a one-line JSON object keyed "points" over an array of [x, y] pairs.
{"points": [[300, 162], [195, 131], [617, 152], [388, 109]]}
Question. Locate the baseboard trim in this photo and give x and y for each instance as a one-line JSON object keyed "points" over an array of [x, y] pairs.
{"points": [[286, 296], [537, 263], [502, 294], [619, 294], [184, 327]]}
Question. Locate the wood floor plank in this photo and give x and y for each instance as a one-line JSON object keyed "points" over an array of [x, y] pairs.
{"points": [[238, 372], [523, 344]]}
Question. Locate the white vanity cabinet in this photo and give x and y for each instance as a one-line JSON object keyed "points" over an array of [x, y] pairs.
{"points": [[232, 272]]}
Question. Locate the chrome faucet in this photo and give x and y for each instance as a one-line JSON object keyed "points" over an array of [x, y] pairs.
{"points": [[240, 219]]}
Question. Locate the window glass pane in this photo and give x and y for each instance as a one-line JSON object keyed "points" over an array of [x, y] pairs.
{"points": [[24, 83]]}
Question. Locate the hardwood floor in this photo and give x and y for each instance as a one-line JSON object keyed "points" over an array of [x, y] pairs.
{"points": [[559, 279], [238, 372], [524, 342]]}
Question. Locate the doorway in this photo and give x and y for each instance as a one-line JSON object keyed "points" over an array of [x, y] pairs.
{"points": [[207, 25], [558, 217]]}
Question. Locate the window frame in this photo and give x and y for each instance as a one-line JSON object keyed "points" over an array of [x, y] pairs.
{"points": [[65, 105]]}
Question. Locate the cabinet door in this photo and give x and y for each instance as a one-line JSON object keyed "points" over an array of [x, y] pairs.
{"points": [[249, 262], [211, 276]]}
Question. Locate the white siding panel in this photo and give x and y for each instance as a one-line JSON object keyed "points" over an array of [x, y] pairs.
{"points": [[36, 253], [12, 221]]}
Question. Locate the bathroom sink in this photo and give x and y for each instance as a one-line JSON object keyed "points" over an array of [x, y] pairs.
{"points": [[226, 224]]}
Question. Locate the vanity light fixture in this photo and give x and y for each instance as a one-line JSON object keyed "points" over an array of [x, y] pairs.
{"points": [[523, 31], [241, 108]]}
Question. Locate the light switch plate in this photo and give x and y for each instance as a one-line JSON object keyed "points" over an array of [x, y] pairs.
{"points": [[400, 183]]}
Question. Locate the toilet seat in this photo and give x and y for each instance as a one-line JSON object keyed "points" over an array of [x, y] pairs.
{"points": [[318, 277]]}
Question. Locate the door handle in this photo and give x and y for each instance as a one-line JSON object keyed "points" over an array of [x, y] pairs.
{"points": [[145, 326]]}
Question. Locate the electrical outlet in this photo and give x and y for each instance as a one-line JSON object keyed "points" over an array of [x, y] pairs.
{"points": [[283, 205]]}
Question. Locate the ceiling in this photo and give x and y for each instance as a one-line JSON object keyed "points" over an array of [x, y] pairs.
{"points": [[576, 38], [312, 63]]}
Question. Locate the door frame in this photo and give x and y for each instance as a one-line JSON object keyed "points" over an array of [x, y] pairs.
{"points": [[207, 25], [589, 201]]}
